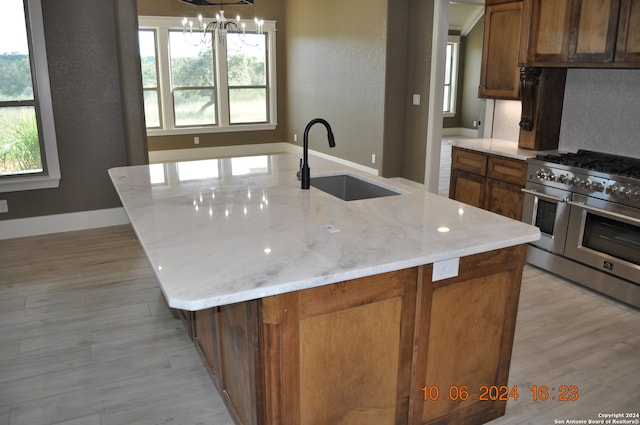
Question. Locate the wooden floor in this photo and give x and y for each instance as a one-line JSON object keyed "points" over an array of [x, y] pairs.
{"points": [[86, 339]]}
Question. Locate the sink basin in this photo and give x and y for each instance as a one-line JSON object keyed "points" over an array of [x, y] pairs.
{"points": [[350, 188]]}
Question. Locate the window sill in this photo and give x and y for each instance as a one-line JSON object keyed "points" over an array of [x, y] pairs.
{"points": [[29, 183], [204, 130], [448, 114]]}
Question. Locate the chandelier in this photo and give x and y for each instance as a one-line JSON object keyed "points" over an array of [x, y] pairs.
{"points": [[218, 27]]}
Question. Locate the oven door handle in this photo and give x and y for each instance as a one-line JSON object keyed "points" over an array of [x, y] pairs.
{"points": [[544, 195], [605, 213]]}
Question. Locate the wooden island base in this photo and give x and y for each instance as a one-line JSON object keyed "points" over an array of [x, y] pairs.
{"points": [[395, 348]]}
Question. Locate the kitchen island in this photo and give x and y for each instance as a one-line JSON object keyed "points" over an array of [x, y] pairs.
{"points": [[308, 309]]}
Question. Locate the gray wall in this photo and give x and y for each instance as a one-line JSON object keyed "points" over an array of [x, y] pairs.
{"points": [[88, 113], [357, 64], [336, 70], [471, 108], [418, 78], [602, 111]]}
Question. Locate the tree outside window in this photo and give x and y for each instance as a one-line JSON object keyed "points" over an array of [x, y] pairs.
{"points": [[218, 85], [20, 149], [28, 148]]}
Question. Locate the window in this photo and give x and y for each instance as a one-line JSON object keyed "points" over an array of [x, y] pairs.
{"points": [[451, 76], [28, 152], [194, 86]]}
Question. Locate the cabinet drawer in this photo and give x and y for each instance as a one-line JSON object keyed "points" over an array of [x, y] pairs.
{"points": [[469, 161], [508, 170]]}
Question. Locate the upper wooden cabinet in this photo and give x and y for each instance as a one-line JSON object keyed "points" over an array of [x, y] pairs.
{"points": [[628, 43], [582, 33], [500, 71]]}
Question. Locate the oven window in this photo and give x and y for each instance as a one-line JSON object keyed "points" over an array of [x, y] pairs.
{"points": [[546, 216], [620, 240]]}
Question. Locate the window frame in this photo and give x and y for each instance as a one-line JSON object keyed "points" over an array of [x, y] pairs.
{"points": [[453, 40], [156, 88], [50, 176], [162, 25]]}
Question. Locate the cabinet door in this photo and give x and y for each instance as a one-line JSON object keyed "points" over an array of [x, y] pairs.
{"points": [[205, 336], [504, 198], [239, 361], [466, 326], [549, 31], [341, 354], [508, 170], [572, 32], [468, 188], [628, 45], [470, 161], [595, 31], [499, 74]]}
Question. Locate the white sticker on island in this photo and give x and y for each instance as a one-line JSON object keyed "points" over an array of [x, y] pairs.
{"points": [[445, 269], [330, 228]]}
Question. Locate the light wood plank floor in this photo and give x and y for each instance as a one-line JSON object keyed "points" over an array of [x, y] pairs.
{"points": [[87, 339]]}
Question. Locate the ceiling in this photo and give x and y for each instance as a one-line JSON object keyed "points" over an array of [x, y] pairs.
{"points": [[463, 16]]}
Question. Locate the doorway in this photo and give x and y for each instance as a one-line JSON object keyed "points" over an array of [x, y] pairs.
{"points": [[463, 19]]}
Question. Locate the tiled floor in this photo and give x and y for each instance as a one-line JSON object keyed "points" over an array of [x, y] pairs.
{"points": [[86, 339]]}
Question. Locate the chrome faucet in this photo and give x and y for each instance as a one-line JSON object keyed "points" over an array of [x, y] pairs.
{"points": [[304, 173]]}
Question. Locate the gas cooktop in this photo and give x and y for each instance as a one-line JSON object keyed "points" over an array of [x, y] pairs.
{"points": [[597, 161], [601, 175]]}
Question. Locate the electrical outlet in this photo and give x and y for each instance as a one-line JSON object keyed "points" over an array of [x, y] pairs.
{"points": [[475, 124], [295, 137], [4, 207], [196, 140], [445, 269], [373, 158]]}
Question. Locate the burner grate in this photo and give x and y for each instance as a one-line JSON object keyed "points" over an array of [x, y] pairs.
{"points": [[596, 161]]}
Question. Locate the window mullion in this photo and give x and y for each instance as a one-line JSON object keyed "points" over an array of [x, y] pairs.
{"points": [[222, 83], [164, 81]]}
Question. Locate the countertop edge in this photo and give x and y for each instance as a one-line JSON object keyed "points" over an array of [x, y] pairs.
{"points": [[499, 147], [258, 293]]}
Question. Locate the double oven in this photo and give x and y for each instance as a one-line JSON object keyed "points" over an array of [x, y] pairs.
{"points": [[587, 206]]}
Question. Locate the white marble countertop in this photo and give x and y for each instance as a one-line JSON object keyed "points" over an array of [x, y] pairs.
{"points": [[230, 230], [496, 147]]}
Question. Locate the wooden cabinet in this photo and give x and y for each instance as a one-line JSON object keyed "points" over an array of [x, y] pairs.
{"points": [[227, 340], [465, 351], [500, 72], [542, 93], [582, 33], [488, 181], [341, 354], [628, 43], [361, 351]]}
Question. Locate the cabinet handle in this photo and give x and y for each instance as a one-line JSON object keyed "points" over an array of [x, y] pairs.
{"points": [[543, 195]]}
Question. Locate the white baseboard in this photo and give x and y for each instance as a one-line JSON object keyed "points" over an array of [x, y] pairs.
{"points": [[370, 170], [42, 225], [33, 226], [460, 131], [244, 150], [176, 155]]}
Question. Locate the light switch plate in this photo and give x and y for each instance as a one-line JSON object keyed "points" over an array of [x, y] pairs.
{"points": [[416, 99], [445, 269]]}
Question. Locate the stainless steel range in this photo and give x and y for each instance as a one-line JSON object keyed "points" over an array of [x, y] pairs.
{"points": [[587, 206]]}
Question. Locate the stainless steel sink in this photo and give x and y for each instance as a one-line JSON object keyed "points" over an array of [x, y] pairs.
{"points": [[350, 188]]}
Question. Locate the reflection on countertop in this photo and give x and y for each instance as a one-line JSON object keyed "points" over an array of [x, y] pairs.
{"points": [[228, 230]]}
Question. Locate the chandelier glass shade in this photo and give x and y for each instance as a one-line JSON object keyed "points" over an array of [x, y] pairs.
{"points": [[202, 32]]}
